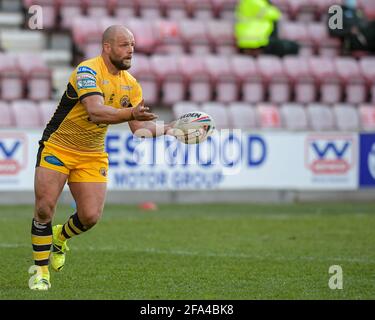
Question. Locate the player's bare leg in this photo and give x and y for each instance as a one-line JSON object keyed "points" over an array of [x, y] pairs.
{"points": [[89, 198], [48, 185]]}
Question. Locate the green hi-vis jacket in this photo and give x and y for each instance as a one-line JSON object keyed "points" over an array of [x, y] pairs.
{"points": [[255, 23]]}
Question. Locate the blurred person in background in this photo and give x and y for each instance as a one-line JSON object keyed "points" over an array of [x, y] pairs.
{"points": [[256, 29], [357, 33]]}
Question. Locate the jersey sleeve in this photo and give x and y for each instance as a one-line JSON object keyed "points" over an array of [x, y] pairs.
{"points": [[137, 96], [86, 81]]}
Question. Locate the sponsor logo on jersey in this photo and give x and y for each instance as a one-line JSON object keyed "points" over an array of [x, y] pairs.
{"points": [[85, 69], [103, 172], [86, 81], [126, 87]]}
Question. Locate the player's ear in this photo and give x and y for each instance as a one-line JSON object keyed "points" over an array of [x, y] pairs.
{"points": [[106, 47]]}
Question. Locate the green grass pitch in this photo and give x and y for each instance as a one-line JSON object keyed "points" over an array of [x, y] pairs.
{"points": [[221, 251]]}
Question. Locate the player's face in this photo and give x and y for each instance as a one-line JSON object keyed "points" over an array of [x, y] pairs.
{"points": [[122, 51]]}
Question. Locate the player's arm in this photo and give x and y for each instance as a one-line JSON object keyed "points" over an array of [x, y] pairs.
{"points": [[100, 113]]}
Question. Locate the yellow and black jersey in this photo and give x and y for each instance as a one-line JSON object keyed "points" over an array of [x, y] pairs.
{"points": [[70, 125]]}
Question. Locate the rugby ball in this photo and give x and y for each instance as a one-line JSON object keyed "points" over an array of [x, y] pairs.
{"points": [[193, 127]]}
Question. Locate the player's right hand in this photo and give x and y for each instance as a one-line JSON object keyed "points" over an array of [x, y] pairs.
{"points": [[140, 112]]}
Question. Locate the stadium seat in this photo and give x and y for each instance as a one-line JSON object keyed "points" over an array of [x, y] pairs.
{"points": [[219, 112], [242, 116], [97, 8], [367, 116], [194, 35], [69, 9], [221, 35], [268, 116], [324, 45], [142, 71], [37, 76], [182, 107], [171, 80], [222, 77], [300, 78], [144, 34], [168, 37], [273, 74], [26, 114], [200, 9], [46, 110], [11, 83], [297, 31], [325, 75], [175, 9], [346, 117], [302, 10], [224, 9], [125, 9], [248, 77], [351, 77], [6, 119], [293, 116], [150, 9], [367, 68], [320, 117], [197, 77]]}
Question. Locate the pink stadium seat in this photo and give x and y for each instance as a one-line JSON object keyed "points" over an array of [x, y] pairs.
{"points": [[11, 83], [26, 114], [168, 37], [346, 117], [150, 9], [368, 7], [268, 116], [323, 43], [37, 76], [46, 110], [302, 10], [242, 115], [200, 9], [184, 107], [301, 79], [6, 119], [250, 80], [294, 116], [325, 74], [198, 79], [221, 35], [68, 10], [171, 80], [107, 21], [224, 8], [320, 117], [323, 5], [297, 31], [97, 8], [273, 74], [219, 112], [144, 34], [195, 35], [349, 72], [367, 116], [175, 9], [142, 71], [222, 77], [367, 68], [125, 9], [86, 31]]}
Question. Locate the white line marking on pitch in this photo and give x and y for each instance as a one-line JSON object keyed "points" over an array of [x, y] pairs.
{"points": [[201, 254]]}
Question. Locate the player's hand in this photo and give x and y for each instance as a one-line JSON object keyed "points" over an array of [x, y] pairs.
{"points": [[140, 112], [169, 129]]}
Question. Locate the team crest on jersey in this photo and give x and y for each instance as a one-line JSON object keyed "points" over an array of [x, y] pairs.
{"points": [[125, 101]]}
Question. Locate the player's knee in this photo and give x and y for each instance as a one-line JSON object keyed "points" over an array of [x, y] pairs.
{"points": [[44, 211], [90, 220]]}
